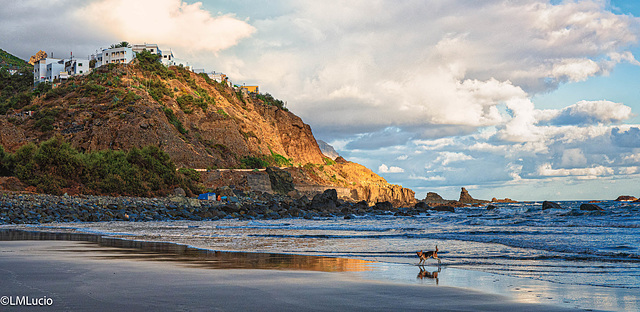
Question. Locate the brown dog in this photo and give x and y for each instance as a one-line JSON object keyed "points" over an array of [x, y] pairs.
{"points": [[426, 255]]}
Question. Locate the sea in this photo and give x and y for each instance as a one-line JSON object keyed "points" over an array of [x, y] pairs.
{"points": [[584, 259]]}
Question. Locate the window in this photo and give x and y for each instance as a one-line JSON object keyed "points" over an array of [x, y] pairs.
{"points": [[81, 72], [79, 64]]}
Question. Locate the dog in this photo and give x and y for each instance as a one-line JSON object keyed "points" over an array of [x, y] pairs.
{"points": [[426, 255]]}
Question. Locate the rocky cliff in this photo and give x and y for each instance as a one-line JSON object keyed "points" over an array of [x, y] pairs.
{"points": [[200, 123]]}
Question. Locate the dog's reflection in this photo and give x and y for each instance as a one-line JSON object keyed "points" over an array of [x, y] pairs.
{"points": [[426, 274]]}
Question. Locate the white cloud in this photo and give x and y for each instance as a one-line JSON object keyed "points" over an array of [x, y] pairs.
{"points": [[430, 178], [575, 69], [413, 67], [446, 158], [546, 170], [384, 169], [587, 112], [402, 157], [628, 170], [170, 23], [573, 158]]}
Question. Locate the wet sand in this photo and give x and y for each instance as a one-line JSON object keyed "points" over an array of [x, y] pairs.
{"points": [[101, 276]]}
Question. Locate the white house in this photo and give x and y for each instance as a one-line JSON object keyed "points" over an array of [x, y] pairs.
{"points": [[152, 48], [220, 77], [76, 67], [122, 55], [166, 56], [40, 69], [54, 69]]}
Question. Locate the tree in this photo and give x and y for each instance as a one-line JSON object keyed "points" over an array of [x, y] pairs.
{"points": [[122, 44]]}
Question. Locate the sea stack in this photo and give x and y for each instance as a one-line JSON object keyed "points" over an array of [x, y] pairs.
{"points": [[465, 197]]}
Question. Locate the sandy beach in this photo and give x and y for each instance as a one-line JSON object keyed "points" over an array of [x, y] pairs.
{"points": [[80, 275]]}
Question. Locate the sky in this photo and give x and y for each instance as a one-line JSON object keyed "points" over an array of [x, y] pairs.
{"points": [[525, 99]]}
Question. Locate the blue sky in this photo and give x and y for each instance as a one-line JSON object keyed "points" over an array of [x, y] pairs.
{"points": [[527, 99]]}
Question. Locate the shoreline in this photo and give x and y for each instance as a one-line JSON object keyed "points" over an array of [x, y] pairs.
{"points": [[361, 272]]}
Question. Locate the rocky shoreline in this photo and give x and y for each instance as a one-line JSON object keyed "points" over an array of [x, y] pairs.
{"points": [[28, 208]]}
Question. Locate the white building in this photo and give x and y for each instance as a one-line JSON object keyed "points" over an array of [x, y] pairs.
{"points": [[152, 48], [76, 67], [166, 56], [121, 55], [40, 69], [220, 78], [54, 70]]}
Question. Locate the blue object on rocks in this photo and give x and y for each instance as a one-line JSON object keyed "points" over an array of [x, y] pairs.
{"points": [[207, 196]]}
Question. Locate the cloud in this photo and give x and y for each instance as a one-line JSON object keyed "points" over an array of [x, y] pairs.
{"points": [[590, 112], [575, 69], [413, 68], [573, 158], [384, 169], [172, 23], [546, 170], [82, 27], [446, 158], [387, 137], [629, 138]]}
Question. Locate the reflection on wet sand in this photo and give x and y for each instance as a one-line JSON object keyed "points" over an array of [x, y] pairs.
{"points": [[163, 251], [427, 274]]}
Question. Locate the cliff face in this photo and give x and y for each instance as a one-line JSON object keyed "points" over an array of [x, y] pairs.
{"points": [[198, 122]]}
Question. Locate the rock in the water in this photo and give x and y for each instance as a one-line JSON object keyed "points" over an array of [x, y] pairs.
{"points": [[590, 207], [626, 198], [421, 206], [465, 197], [433, 197], [550, 205], [443, 208], [281, 180], [491, 207]]}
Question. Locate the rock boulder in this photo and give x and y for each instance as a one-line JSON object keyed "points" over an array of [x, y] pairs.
{"points": [[550, 205], [590, 207]]}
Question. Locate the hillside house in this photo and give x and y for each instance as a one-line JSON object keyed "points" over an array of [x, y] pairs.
{"points": [[220, 78], [76, 67], [251, 89], [40, 72], [122, 55], [54, 70], [166, 56]]}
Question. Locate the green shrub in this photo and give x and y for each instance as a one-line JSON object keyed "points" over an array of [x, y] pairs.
{"points": [[191, 174], [251, 162], [45, 118], [328, 161], [156, 89], [55, 165], [174, 120], [268, 99], [222, 113], [6, 163]]}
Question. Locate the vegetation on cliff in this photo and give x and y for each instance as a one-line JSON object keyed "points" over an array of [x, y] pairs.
{"points": [[54, 167], [193, 120], [8, 60]]}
